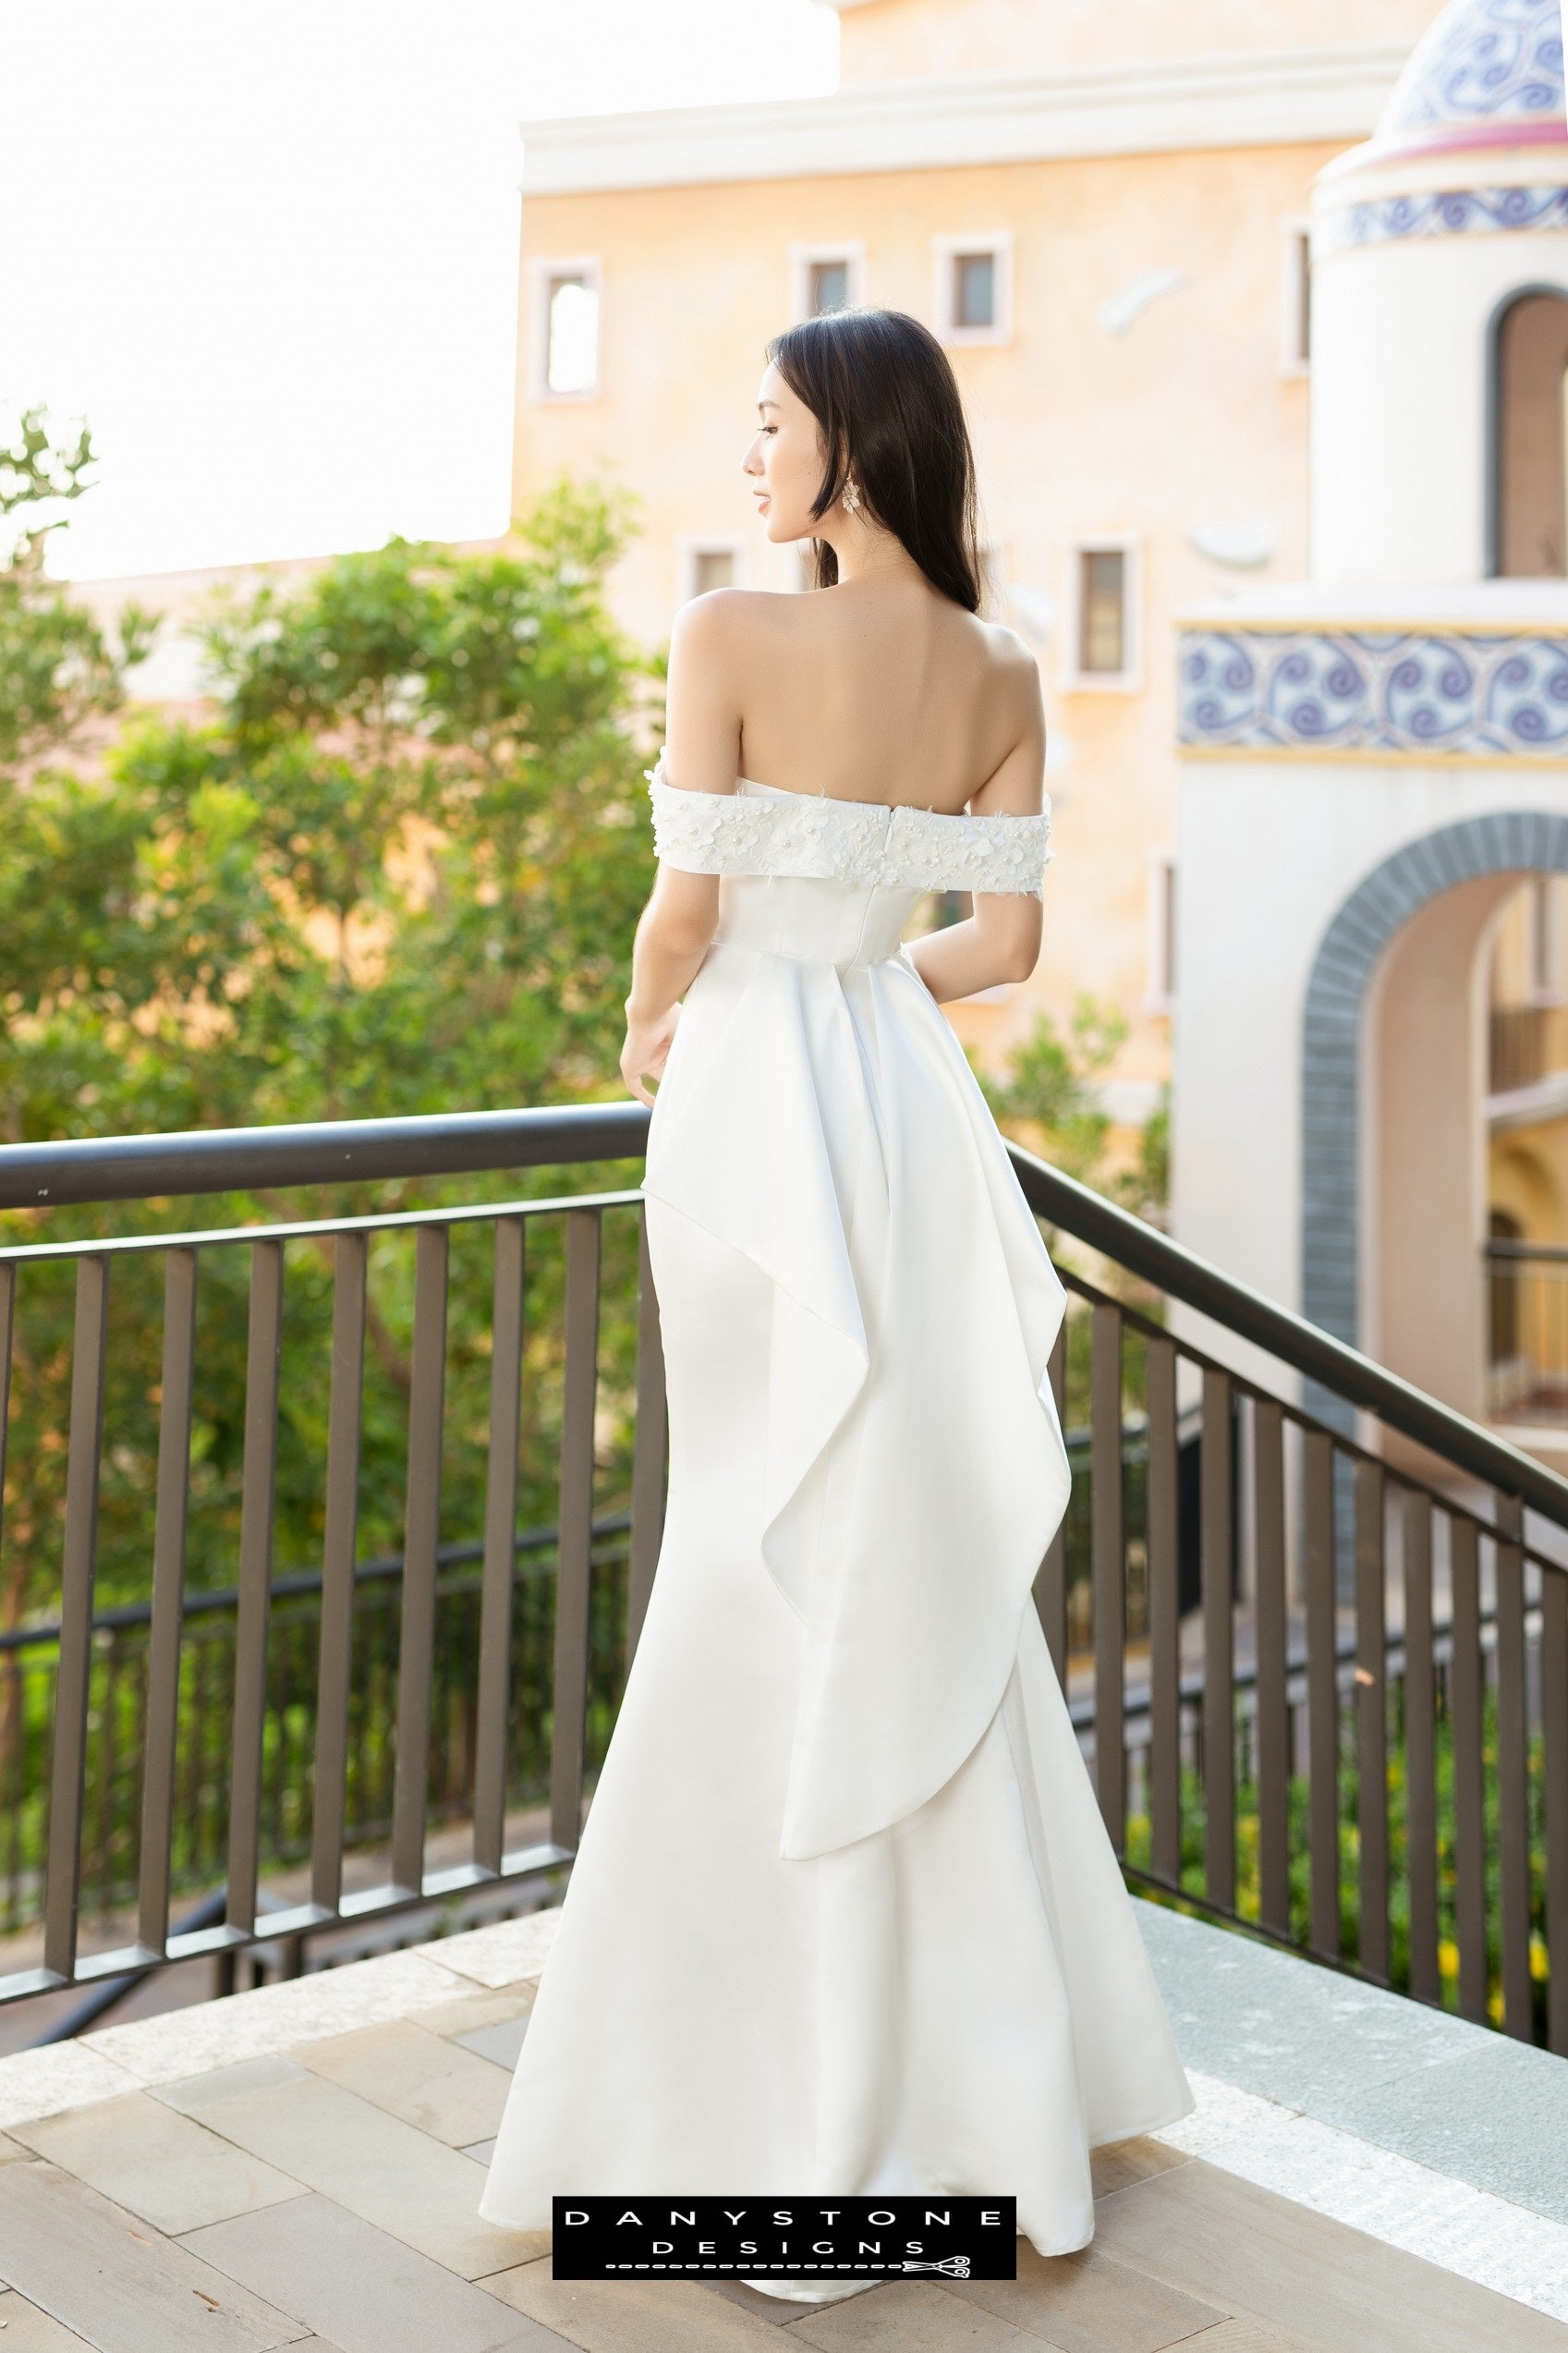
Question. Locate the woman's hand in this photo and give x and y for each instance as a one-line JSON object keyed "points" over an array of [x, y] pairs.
{"points": [[646, 1050]]}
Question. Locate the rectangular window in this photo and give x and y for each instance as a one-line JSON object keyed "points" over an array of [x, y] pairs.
{"points": [[1295, 299], [713, 568], [826, 277], [1102, 639], [1161, 993], [974, 288], [565, 330], [1102, 611], [830, 286], [706, 564]]}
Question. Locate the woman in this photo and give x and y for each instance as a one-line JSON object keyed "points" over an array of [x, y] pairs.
{"points": [[844, 1918]]}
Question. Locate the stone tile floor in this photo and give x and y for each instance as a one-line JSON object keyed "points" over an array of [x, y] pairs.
{"points": [[302, 2165]]}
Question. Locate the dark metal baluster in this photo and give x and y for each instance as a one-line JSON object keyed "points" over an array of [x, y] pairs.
{"points": [[1371, 1723], [1050, 1581], [340, 1541], [7, 1320], [1162, 1531], [501, 1544], [101, 1852], [257, 1506], [1513, 1774], [168, 1599], [1554, 1743], [422, 1525], [16, 1780], [1420, 1752], [647, 1453], [1219, 1707], [1322, 1693], [197, 1779], [1109, 1550], [1273, 1749], [1469, 1856], [13, 1759], [574, 1521], [68, 1773]]}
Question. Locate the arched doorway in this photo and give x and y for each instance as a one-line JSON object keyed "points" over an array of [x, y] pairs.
{"points": [[1529, 458], [1395, 1081]]}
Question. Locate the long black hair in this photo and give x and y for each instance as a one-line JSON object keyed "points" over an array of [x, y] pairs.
{"points": [[882, 390]]}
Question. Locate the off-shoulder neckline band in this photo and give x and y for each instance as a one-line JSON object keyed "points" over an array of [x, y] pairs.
{"points": [[833, 800]]}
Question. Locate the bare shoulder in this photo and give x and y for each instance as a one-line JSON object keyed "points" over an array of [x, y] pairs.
{"points": [[1015, 713], [1010, 676], [1007, 658], [721, 631], [730, 615]]}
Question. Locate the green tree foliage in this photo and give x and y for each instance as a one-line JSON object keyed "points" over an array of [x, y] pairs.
{"points": [[57, 669], [396, 872], [1049, 1099], [399, 871]]}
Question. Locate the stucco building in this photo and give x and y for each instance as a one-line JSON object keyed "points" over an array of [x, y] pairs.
{"points": [[1261, 315], [1102, 205], [1374, 797]]}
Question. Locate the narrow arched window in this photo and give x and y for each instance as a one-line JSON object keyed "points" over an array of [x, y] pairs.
{"points": [[1531, 477]]}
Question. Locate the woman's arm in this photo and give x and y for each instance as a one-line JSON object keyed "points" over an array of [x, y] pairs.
{"points": [[1000, 940], [701, 755], [673, 936]]}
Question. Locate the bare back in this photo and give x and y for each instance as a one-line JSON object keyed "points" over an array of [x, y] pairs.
{"points": [[881, 691]]}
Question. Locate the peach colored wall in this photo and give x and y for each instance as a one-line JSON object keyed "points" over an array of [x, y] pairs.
{"points": [[1185, 419], [890, 40]]}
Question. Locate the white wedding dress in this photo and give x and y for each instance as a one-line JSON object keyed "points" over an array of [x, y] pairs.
{"points": [[845, 1917]]}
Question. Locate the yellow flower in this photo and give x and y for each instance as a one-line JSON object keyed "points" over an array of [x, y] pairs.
{"points": [[1448, 1958], [1540, 1960]]}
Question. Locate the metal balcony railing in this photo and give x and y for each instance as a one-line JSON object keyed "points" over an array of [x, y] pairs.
{"points": [[1322, 1678], [1527, 1309]]}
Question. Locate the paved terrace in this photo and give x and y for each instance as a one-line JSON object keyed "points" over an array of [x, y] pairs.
{"points": [[299, 2166]]}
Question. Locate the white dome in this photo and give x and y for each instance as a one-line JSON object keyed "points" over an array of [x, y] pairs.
{"points": [[1483, 65]]}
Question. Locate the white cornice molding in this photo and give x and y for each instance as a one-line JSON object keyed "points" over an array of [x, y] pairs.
{"points": [[1255, 99]]}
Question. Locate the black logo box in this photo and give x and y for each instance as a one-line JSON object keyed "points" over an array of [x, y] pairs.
{"points": [[624, 2237]]}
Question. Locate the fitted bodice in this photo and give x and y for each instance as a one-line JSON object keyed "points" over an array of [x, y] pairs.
{"points": [[835, 881]]}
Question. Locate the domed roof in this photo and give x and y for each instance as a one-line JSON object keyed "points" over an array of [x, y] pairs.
{"points": [[1486, 72]]}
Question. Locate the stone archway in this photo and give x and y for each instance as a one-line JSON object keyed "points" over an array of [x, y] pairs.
{"points": [[1332, 1030]]}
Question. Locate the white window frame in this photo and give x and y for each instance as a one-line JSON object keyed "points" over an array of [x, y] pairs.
{"points": [[541, 273], [945, 251], [1296, 230], [1129, 678], [1160, 998], [804, 259], [691, 545]]}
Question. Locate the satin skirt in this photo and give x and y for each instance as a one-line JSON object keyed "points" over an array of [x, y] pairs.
{"points": [[845, 1917]]}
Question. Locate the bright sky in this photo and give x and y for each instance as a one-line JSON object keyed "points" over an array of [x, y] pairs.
{"points": [[271, 253]]}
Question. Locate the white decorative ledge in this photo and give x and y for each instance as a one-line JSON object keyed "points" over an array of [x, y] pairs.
{"points": [[1250, 99]]}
